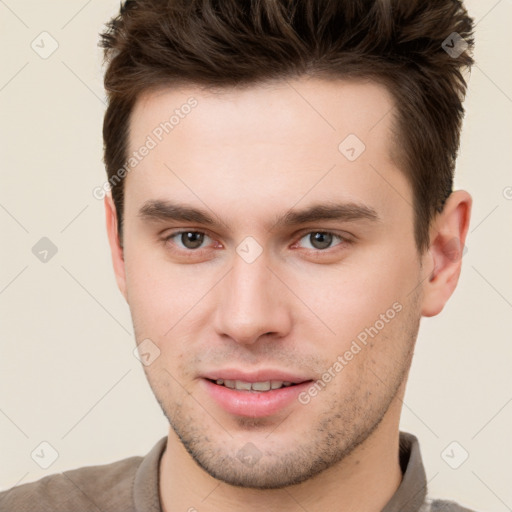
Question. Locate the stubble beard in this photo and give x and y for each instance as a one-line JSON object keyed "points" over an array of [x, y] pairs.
{"points": [[344, 424]]}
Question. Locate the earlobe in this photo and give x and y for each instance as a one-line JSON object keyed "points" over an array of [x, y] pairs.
{"points": [[447, 239], [116, 249]]}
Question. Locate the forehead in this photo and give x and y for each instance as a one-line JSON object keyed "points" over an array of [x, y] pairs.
{"points": [[327, 109], [276, 140]]}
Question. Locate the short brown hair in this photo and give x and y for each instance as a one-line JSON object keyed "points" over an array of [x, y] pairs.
{"points": [[403, 44]]}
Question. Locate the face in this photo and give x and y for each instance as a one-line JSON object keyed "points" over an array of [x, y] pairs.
{"points": [[302, 267]]}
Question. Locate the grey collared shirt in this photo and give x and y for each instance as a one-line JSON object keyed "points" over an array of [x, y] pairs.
{"points": [[132, 485]]}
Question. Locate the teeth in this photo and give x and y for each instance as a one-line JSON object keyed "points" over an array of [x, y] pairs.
{"points": [[253, 386], [240, 384], [261, 386]]}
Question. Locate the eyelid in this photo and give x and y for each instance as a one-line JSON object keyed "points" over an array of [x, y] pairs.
{"points": [[342, 234]]}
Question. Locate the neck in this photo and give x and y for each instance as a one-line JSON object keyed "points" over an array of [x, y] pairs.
{"points": [[373, 465]]}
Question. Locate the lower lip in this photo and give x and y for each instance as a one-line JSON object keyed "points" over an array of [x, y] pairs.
{"points": [[255, 404]]}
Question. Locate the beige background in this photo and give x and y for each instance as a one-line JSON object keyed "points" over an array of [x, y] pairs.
{"points": [[67, 372]]}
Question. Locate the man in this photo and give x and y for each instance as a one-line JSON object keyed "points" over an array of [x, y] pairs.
{"points": [[280, 213]]}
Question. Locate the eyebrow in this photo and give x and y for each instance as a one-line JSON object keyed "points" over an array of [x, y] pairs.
{"points": [[159, 210]]}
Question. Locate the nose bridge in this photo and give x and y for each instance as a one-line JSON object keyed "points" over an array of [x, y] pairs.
{"points": [[251, 303]]}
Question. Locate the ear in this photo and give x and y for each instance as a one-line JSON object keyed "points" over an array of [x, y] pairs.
{"points": [[115, 246], [447, 237]]}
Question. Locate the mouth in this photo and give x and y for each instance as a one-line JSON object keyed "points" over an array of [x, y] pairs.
{"points": [[254, 398], [255, 387]]}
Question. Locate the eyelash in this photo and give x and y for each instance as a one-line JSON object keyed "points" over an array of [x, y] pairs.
{"points": [[344, 241]]}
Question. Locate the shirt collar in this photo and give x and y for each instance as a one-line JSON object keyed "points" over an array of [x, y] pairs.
{"points": [[146, 489], [409, 496], [412, 491]]}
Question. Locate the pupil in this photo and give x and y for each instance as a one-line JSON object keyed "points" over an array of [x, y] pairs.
{"points": [[321, 240], [192, 240]]}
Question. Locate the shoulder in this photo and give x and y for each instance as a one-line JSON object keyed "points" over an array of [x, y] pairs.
{"points": [[90, 488], [443, 506]]}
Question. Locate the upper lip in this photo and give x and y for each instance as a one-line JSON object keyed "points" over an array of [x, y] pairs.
{"points": [[262, 375]]}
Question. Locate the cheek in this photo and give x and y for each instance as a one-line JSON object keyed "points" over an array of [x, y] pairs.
{"points": [[154, 292], [351, 296], [153, 283], [166, 300]]}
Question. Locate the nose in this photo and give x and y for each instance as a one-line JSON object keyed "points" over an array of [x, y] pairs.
{"points": [[253, 303]]}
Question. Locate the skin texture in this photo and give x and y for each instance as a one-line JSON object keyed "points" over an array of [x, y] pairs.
{"points": [[246, 157]]}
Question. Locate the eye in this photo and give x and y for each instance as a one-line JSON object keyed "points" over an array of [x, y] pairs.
{"points": [[321, 240], [189, 240]]}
